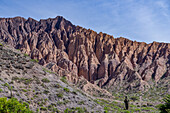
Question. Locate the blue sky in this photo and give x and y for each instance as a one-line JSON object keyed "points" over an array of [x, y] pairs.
{"points": [[140, 20]]}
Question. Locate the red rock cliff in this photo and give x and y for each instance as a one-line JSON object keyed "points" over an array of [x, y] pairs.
{"points": [[75, 51]]}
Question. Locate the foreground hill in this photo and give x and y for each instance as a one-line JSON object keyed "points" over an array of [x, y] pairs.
{"points": [[100, 58]]}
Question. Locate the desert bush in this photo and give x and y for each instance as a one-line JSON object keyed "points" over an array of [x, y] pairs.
{"points": [[13, 106], [59, 95], [43, 109], [45, 80], [24, 90], [66, 90], [74, 92], [165, 108], [67, 110], [46, 92], [1, 44], [134, 98], [81, 102], [1, 90], [57, 86], [73, 110], [48, 71], [26, 55], [34, 60], [63, 79]]}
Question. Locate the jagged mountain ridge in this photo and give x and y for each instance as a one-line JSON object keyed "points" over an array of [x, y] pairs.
{"points": [[75, 51]]}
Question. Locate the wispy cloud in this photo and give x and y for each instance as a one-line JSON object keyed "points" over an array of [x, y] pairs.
{"points": [[141, 20]]}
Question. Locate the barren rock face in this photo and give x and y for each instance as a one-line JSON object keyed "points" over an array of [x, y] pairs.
{"points": [[75, 51]]}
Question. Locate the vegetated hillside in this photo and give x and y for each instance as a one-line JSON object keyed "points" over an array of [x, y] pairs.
{"points": [[113, 63], [45, 91], [23, 78]]}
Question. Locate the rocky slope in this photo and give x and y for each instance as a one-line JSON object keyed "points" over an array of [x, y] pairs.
{"points": [[74, 51], [23, 78]]}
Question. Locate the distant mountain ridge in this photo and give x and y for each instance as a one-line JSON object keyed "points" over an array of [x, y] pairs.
{"points": [[70, 50]]}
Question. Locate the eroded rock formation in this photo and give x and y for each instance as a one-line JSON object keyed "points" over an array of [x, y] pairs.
{"points": [[75, 51]]}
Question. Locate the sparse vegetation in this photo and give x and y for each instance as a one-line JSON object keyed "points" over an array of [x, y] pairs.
{"points": [[63, 102], [26, 55], [45, 80], [24, 90], [43, 108], [78, 109], [1, 90], [26, 81], [165, 108], [46, 92], [74, 92], [66, 90], [63, 79], [81, 103], [53, 108], [1, 44], [57, 86], [59, 95], [134, 98], [34, 60], [48, 71]]}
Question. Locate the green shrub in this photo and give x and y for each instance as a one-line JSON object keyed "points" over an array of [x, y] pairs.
{"points": [[1, 90], [46, 92], [81, 102], [134, 98], [26, 55], [55, 110], [81, 110], [43, 108], [13, 106], [38, 110], [48, 71], [74, 92], [24, 90], [63, 79], [35, 96], [6, 85], [165, 108], [45, 80], [78, 109], [137, 109], [147, 108], [1, 44], [34, 60], [26, 81], [105, 111], [57, 86], [126, 111], [59, 95], [106, 108], [66, 90], [60, 102], [67, 110]]}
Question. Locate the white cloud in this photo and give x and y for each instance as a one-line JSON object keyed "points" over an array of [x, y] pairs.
{"points": [[141, 20], [162, 4]]}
